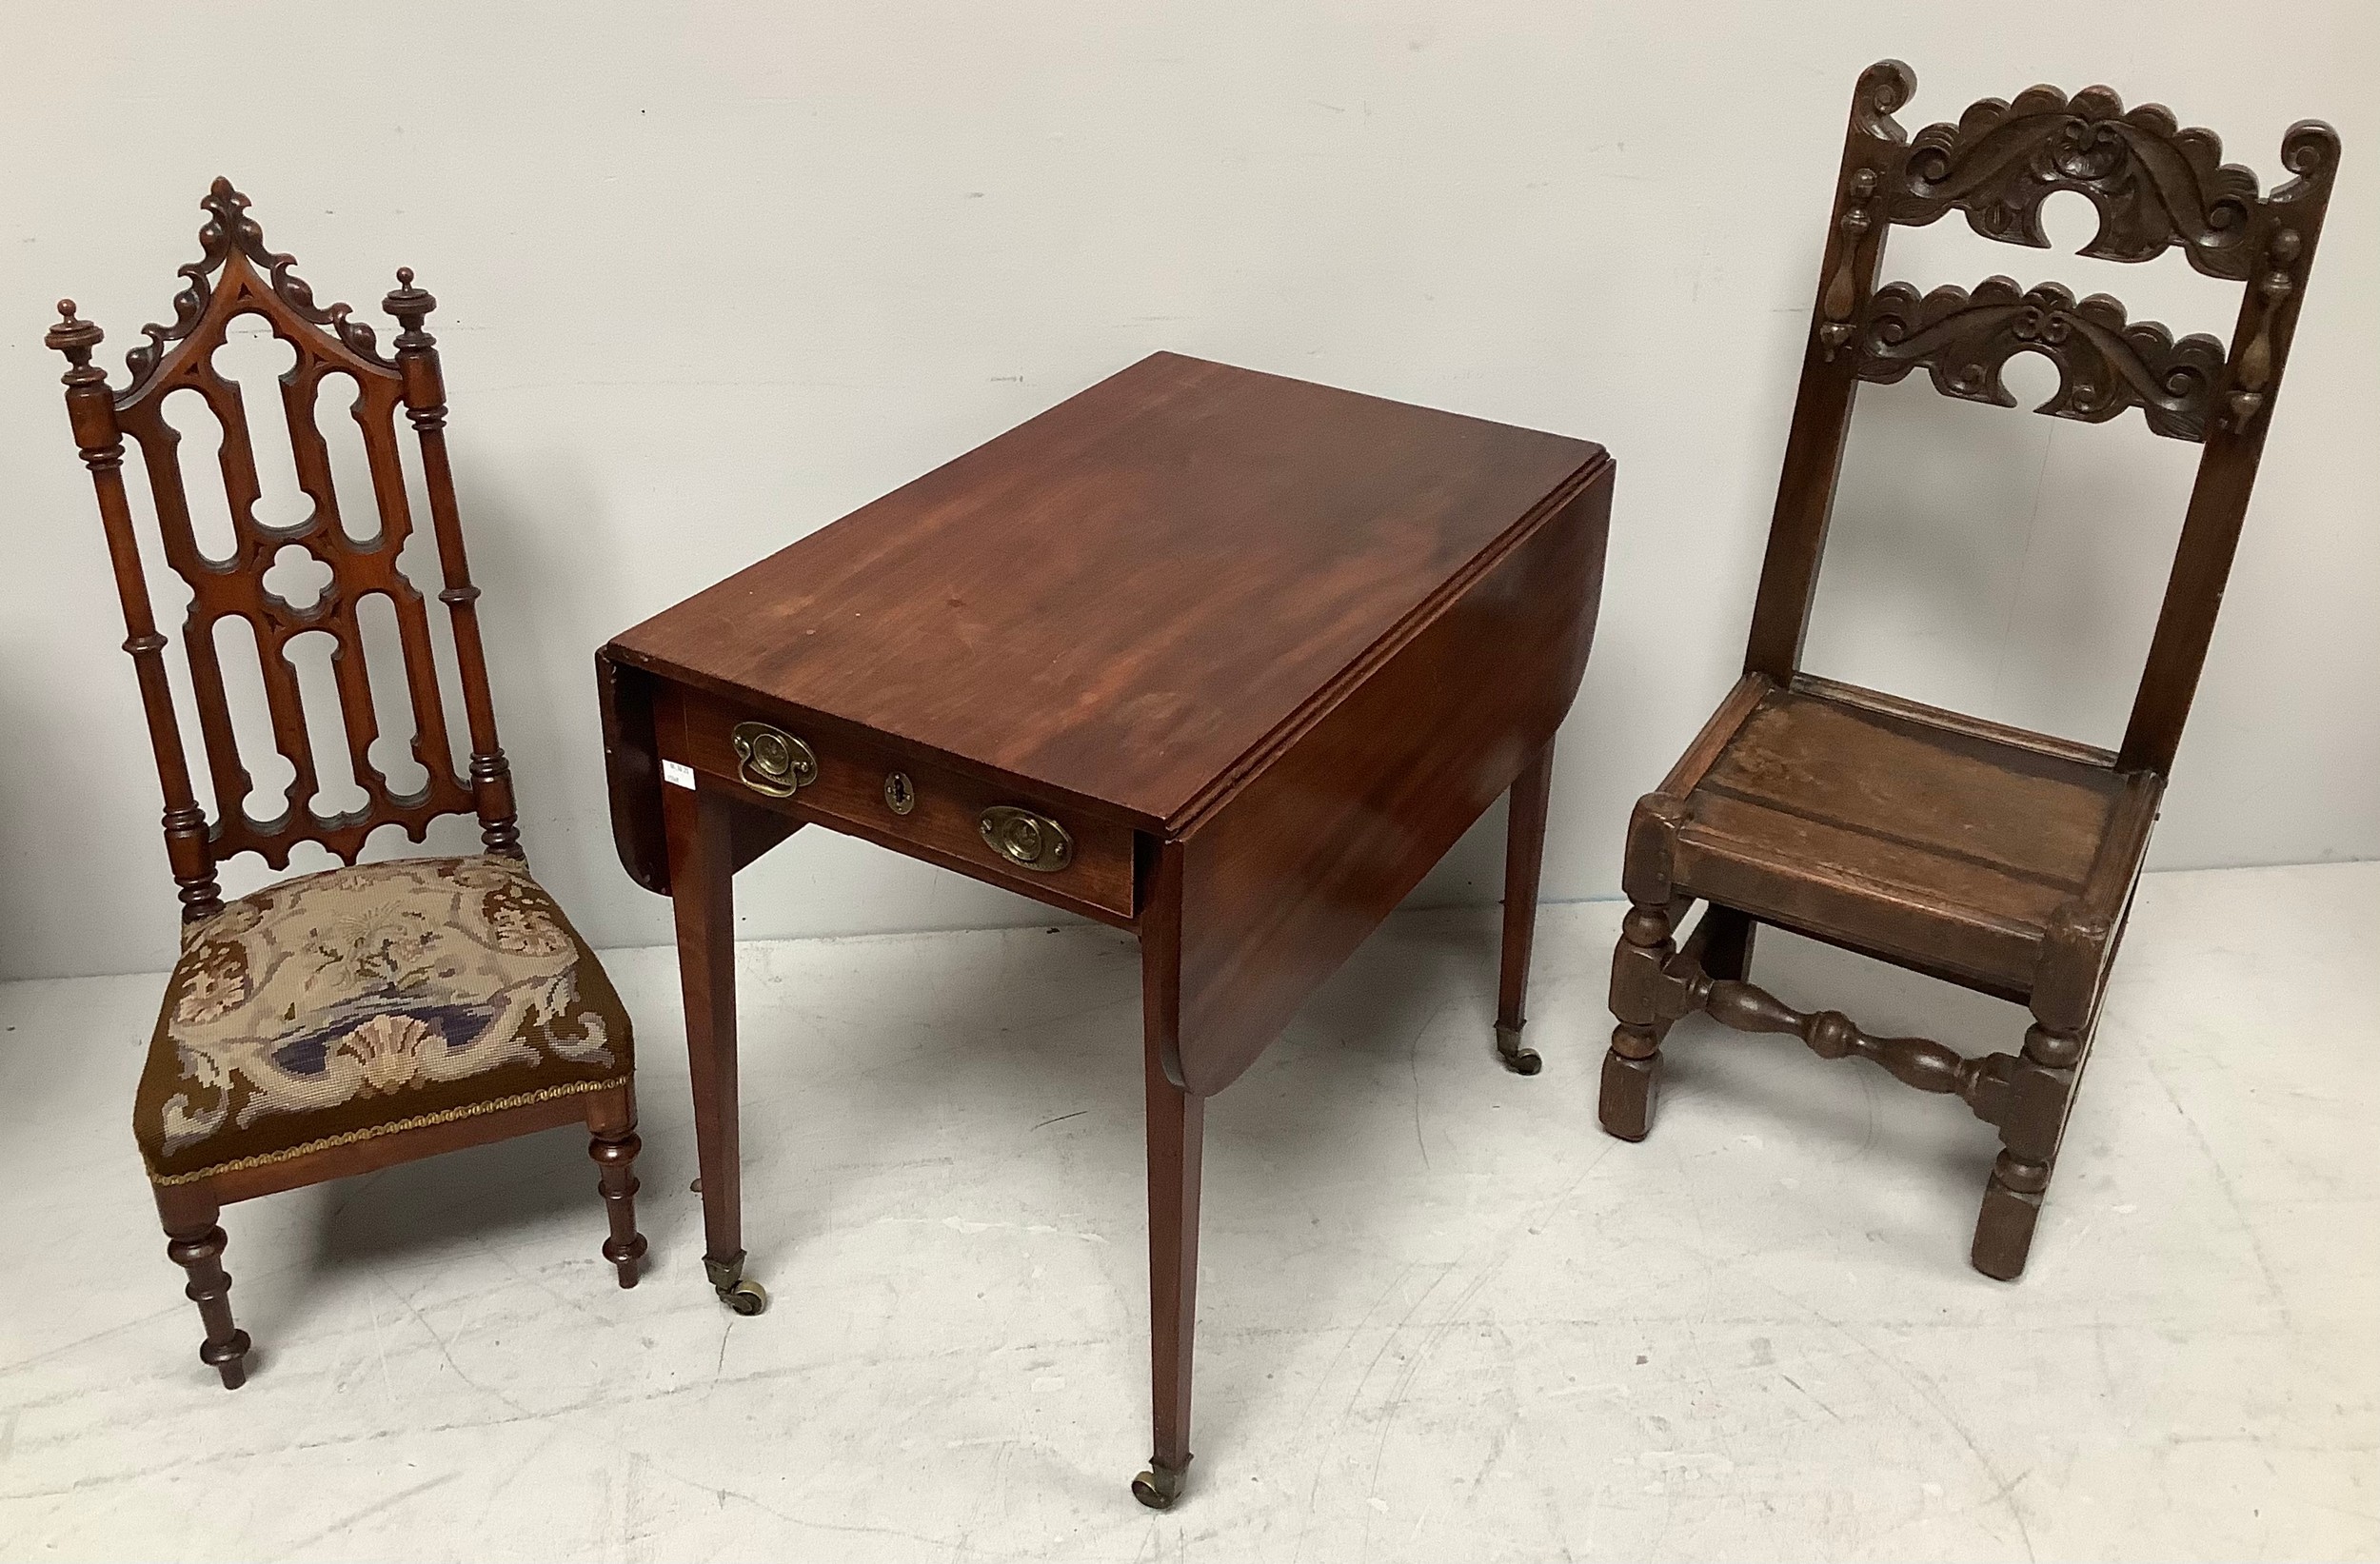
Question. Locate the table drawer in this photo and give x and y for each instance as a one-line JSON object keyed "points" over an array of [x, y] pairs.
{"points": [[995, 833]]}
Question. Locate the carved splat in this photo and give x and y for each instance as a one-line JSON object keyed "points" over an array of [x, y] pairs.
{"points": [[2105, 364], [237, 275], [1868, 845], [228, 228], [2153, 183]]}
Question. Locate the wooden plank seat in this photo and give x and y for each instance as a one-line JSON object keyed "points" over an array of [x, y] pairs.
{"points": [[1991, 857], [1941, 841]]}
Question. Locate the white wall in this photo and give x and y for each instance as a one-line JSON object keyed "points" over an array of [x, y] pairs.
{"points": [[710, 276]]}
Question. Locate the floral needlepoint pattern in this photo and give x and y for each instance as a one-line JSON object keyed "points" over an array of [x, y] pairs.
{"points": [[331, 1004], [521, 925], [215, 985]]}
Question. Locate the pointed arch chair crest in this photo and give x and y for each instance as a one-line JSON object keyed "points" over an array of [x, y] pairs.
{"points": [[1993, 858], [338, 1022]]}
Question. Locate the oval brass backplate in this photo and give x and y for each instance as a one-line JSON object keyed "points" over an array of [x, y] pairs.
{"points": [[901, 794], [1027, 840], [771, 760]]}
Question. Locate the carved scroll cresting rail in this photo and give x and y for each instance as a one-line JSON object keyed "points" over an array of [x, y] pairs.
{"points": [[2154, 184]]}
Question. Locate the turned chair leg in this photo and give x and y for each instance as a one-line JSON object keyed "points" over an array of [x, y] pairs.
{"points": [[1723, 941], [1632, 1066], [614, 1148], [2040, 1089], [195, 1244]]}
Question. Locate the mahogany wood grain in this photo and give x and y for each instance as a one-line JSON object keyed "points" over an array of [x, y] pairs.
{"points": [[613, 1144], [1121, 601], [632, 765], [195, 1243], [700, 831], [1524, 862], [585, 1109], [1176, 1127], [190, 1212], [1289, 873], [1965, 849], [1263, 648], [238, 276], [943, 824]]}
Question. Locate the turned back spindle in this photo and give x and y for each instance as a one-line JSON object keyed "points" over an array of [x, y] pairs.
{"points": [[237, 276], [2156, 185]]}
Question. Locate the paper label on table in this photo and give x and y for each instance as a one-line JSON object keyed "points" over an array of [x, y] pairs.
{"points": [[677, 774]]}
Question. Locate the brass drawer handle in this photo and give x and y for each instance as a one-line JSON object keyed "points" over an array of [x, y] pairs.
{"points": [[771, 760], [1027, 840]]}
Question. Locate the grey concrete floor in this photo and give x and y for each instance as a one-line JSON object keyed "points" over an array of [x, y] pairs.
{"points": [[1442, 1315]]}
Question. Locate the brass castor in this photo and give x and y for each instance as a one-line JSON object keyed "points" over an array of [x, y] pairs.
{"points": [[1519, 1057], [1159, 1486], [727, 1279]]}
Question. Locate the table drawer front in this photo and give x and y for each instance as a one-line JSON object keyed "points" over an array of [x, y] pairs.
{"points": [[1044, 850]]}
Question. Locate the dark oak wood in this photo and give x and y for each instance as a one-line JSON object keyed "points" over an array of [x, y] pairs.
{"points": [[238, 275], [1260, 649], [1985, 855]]}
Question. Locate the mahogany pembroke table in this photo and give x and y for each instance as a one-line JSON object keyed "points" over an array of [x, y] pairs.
{"points": [[1224, 659]]}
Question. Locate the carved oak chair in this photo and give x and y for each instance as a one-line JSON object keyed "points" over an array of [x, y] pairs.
{"points": [[1992, 857], [337, 1022]]}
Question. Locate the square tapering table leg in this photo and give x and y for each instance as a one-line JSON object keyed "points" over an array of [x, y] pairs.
{"points": [[1177, 1129], [701, 882], [1177, 1126], [1524, 858]]}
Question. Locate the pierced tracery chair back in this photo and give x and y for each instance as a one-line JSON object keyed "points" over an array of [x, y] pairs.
{"points": [[2154, 187], [237, 276]]}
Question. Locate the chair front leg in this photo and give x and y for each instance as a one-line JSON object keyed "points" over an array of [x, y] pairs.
{"points": [[1639, 982], [196, 1244], [611, 1121], [2040, 1090]]}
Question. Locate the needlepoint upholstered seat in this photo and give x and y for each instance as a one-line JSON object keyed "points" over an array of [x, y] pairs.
{"points": [[338, 1008], [338, 1022]]}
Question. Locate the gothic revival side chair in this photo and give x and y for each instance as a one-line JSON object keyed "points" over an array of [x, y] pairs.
{"points": [[1996, 859], [336, 1022]]}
